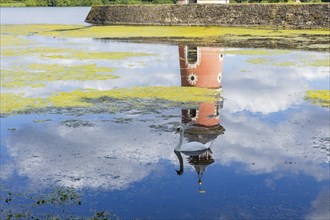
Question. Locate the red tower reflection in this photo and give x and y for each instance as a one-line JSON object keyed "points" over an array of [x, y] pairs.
{"points": [[202, 67]]}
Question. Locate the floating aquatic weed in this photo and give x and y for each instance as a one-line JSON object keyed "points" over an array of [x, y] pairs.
{"points": [[176, 31], [319, 97], [68, 53], [317, 62], [38, 75], [258, 61], [257, 52], [60, 196], [314, 39], [122, 120], [245, 71], [27, 29], [42, 120], [82, 55], [75, 123], [298, 63], [8, 41], [178, 94], [11, 103], [38, 51]]}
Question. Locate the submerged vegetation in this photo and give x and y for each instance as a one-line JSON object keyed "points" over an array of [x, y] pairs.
{"points": [[17, 102], [315, 39], [319, 97], [52, 64], [302, 62], [259, 52], [38, 75], [175, 31], [67, 53], [43, 70], [11, 103]]}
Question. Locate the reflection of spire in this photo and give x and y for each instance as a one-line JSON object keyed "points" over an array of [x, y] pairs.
{"points": [[200, 163]]}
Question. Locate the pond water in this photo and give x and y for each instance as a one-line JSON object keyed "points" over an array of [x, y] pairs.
{"points": [[269, 142]]}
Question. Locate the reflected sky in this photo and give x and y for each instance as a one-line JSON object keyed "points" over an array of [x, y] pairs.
{"points": [[269, 145]]}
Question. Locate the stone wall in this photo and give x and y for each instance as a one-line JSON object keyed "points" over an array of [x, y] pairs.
{"points": [[244, 15]]}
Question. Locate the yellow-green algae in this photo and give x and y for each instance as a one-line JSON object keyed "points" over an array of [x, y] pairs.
{"points": [[16, 102], [10, 40], [319, 97], [299, 63], [256, 52], [320, 62], [118, 31], [68, 53], [11, 103], [258, 36], [174, 31], [36, 75], [28, 29]]}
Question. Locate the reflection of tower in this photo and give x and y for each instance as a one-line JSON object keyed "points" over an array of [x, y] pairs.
{"points": [[202, 67]]}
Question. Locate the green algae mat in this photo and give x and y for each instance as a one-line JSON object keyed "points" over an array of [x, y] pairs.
{"points": [[41, 56], [315, 39]]}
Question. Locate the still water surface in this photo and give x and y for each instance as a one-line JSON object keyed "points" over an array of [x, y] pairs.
{"points": [[269, 156]]}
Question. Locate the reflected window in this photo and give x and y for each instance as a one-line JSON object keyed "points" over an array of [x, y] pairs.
{"points": [[217, 113], [192, 113], [221, 57], [219, 78], [192, 55]]}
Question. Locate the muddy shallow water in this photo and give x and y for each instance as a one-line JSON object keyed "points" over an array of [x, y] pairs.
{"points": [[88, 131]]}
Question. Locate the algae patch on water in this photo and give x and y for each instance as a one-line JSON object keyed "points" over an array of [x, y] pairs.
{"points": [[68, 53], [256, 52], [11, 103], [176, 94], [314, 39], [174, 31], [29, 29], [319, 97], [37, 75], [298, 63], [16, 102], [9, 40]]}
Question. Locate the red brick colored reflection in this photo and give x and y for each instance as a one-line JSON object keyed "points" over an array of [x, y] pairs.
{"points": [[201, 67]]}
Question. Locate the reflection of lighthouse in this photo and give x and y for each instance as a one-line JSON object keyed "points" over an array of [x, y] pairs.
{"points": [[202, 67]]}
